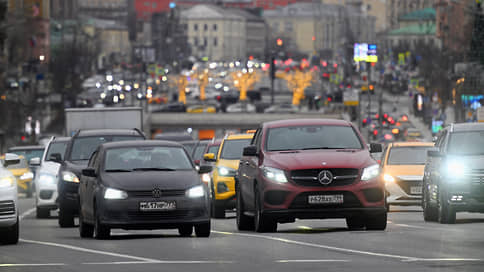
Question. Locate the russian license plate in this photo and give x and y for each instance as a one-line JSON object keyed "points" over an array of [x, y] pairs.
{"points": [[416, 190], [157, 206], [325, 199]]}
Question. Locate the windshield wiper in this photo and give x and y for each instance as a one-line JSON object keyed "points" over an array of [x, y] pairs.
{"points": [[118, 170], [322, 147], [153, 169]]}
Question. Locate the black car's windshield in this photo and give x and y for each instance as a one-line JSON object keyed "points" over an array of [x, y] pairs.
{"points": [[29, 153], [83, 147], [408, 155], [312, 137], [232, 149], [466, 143], [153, 158], [56, 148]]}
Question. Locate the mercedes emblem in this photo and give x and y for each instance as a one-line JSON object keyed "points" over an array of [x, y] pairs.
{"points": [[325, 177]]}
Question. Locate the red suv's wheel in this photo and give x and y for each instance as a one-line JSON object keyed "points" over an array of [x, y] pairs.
{"points": [[244, 222], [262, 222]]}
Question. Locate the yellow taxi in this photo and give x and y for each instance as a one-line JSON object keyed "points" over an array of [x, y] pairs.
{"points": [[201, 109], [402, 167], [22, 173], [226, 165]]}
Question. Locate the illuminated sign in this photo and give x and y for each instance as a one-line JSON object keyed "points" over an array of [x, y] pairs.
{"points": [[365, 52]]}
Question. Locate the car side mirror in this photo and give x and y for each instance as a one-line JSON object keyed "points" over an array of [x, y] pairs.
{"points": [[89, 172], [434, 153], [209, 157], [34, 161], [250, 150], [205, 169], [55, 157], [376, 148], [11, 159]]}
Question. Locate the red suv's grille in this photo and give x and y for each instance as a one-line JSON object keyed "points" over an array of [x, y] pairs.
{"points": [[309, 177]]}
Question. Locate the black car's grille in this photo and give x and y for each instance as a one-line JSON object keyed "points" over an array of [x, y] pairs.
{"points": [[349, 201], [476, 176], [309, 177], [149, 194], [407, 184], [7, 207], [163, 215]]}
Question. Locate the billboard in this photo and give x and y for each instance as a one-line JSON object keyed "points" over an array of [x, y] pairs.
{"points": [[365, 52]]}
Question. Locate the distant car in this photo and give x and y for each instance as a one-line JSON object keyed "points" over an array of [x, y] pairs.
{"points": [[142, 185], [22, 173], [48, 175], [172, 107], [9, 218], [199, 150], [282, 108], [226, 164], [189, 146], [79, 150], [201, 109], [29, 152], [174, 136], [309, 169], [413, 134], [402, 167], [241, 107], [454, 173]]}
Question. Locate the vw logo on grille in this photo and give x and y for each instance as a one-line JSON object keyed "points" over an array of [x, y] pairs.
{"points": [[325, 177], [156, 193]]}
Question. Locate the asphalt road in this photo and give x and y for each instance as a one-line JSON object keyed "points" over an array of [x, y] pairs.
{"points": [[408, 244]]}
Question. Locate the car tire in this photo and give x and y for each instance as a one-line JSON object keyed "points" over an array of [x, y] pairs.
{"points": [[101, 231], [244, 222], [430, 213], [85, 230], [203, 230], [42, 212], [66, 218], [376, 222], [185, 230], [355, 223], [10, 235], [446, 214], [262, 223]]}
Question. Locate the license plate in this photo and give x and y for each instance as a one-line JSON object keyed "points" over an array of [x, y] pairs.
{"points": [[157, 206], [416, 190], [325, 199]]}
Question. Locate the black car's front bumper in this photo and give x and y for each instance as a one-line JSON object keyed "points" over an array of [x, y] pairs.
{"points": [[465, 196], [68, 198], [126, 214]]}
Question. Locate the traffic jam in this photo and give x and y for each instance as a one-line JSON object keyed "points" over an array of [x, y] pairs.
{"points": [[279, 172]]}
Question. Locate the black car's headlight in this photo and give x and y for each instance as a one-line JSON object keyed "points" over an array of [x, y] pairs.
{"points": [[69, 177], [111, 193], [195, 192], [454, 168]]}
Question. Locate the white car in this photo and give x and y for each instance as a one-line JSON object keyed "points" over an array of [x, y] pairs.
{"points": [[9, 222], [47, 176], [241, 107]]}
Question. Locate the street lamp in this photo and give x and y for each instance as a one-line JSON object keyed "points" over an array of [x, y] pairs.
{"points": [[41, 57]]}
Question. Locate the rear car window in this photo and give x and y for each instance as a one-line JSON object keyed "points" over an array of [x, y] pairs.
{"points": [[408, 155], [83, 147], [232, 149]]}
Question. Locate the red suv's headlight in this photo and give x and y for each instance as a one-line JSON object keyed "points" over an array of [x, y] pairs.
{"points": [[370, 172], [274, 174]]}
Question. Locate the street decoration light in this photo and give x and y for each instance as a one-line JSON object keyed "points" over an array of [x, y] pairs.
{"points": [[297, 81], [244, 81]]}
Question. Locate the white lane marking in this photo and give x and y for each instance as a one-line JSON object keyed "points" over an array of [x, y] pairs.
{"points": [[161, 262], [346, 250], [312, 261], [410, 226], [81, 249], [444, 260], [39, 264], [26, 213], [304, 227]]}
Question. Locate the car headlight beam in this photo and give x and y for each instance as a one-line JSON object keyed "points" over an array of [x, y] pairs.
{"points": [[196, 192], [274, 174], [111, 193], [7, 182], [226, 171], [455, 168], [370, 172], [388, 178], [70, 177], [27, 175], [47, 179]]}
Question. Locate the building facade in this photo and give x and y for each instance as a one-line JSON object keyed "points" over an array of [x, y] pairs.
{"points": [[396, 8], [375, 8], [454, 24]]}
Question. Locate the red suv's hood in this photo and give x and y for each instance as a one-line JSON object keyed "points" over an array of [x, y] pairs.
{"points": [[310, 159]]}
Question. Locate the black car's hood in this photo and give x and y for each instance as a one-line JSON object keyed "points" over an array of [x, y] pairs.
{"points": [[148, 180]]}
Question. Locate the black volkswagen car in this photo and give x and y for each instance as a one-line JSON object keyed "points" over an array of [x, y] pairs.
{"points": [[142, 185], [79, 150]]}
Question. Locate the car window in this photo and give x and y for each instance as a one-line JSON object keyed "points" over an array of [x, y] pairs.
{"points": [[466, 143], [83, 147], [189, 147], [20, 165], [198, 153], [312, 137], [56, 147], [29, 153], [232, 149], [139, 158], [213, 149], [408, 155]]}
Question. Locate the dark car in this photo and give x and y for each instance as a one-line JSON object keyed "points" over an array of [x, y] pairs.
{"points": [[454, 173], [142, 185], [189, 145], [174, 136], [199, 151], [79, 150], [309, 169], [172, 107]]}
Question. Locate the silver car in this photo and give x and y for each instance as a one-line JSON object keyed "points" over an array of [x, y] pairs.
{"points": [[9, 222]]}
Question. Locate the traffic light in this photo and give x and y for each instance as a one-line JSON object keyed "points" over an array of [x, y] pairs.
{"points": [[279, 42]]}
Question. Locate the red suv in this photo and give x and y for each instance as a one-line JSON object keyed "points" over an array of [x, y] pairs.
{"points": [[309, 169]]}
